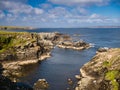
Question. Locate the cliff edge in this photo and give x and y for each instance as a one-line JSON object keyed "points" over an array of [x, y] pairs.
{"points": [[102, 72]]}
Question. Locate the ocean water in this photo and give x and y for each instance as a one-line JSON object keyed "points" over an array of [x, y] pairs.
{"points": [[66, 63]]}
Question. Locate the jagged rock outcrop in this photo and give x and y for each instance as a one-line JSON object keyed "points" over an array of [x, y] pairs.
{"points": [[102, 72], [41, 84], [78, 45], [18, 49], [7, 84]]}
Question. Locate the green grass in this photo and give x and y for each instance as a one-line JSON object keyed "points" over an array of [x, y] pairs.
{"points": [[115, 85], [106, 64], [111, 76], [9, 40], [13, 27], [6, 43]]}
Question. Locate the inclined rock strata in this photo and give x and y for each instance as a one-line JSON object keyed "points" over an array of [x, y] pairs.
{"points": [[102, 72], [76, 45], [35, 48], [31, 48]]}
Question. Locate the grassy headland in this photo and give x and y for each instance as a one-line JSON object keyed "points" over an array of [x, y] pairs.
{"points": [[14, 27], [8, 40]]}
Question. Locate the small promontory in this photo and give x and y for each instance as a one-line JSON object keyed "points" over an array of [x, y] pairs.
{"points": [[102, 72]]}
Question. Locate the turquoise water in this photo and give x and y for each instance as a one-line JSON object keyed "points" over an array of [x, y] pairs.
{"points": [[66, 63]]}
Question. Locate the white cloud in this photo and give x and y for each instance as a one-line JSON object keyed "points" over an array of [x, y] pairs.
{"points": [[58, 11], [52, 16], [94, 15], [91, 19], [2, 15], [24, 14], [45, 6], [18, 7], [38, 11], [82, 11], [80, 2]]}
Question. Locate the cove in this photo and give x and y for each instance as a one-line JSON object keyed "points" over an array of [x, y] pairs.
{"points": [[65, 63], [56, 70]]}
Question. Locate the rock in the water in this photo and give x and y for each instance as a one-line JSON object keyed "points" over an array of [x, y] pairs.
{"points": [[79, 45], [78, 77], [41, 84], [104, 49], [70, 82]]}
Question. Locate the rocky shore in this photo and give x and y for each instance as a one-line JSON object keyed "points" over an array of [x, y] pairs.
{"points": [[102, 72], [20, 49], [76, 45], [7, 84]]}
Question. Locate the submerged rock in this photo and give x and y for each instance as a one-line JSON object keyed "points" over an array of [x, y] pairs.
{"points": [[70, 82]]}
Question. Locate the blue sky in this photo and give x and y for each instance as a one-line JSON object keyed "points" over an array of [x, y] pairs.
{"points": [[60, 13]]}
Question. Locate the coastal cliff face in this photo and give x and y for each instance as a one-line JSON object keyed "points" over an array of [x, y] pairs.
{"points": [[19, 49], [102, 72]]}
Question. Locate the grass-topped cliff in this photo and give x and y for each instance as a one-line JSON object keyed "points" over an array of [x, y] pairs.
{"points": [[20, 49], [102, 72], [9, 40], [14, 27]]}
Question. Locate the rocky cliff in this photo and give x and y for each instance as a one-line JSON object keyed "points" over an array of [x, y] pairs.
{"points": [[76, 45], [102, 72], [18, 49]]}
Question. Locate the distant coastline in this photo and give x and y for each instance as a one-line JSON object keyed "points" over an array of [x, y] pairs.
{"points": [[16, 28], [31, 28]]}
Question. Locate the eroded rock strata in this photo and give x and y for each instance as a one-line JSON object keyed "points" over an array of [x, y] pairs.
{"points": [[18, 49], [75, 45], [102, 72]]}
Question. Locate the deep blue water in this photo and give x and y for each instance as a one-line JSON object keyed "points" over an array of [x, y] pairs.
{"points": [[66, 63]]}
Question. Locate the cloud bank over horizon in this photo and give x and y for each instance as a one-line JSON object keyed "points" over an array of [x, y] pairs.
{"points": [[60, 13]]}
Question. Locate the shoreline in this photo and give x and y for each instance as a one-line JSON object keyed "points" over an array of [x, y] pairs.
{"points": [[35, 48], [101, 71]]}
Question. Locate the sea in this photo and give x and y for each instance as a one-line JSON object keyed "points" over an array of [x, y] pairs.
{"points": [[66, 63]]}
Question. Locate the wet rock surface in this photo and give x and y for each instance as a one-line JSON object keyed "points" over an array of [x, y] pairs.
{"points": [[102, 72], [76, 45]]}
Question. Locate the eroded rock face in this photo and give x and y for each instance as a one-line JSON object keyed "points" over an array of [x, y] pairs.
{"points": [[26, 49], [7, 84], [78, 45], [102, 72]]}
